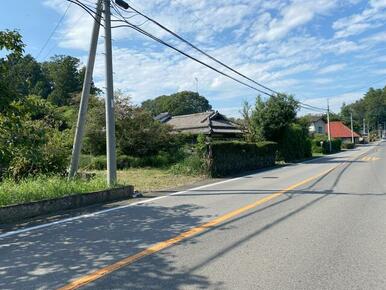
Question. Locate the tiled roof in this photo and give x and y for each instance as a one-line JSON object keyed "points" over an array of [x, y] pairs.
{"points": [[199, 120], [206, 122], [339, 130]]}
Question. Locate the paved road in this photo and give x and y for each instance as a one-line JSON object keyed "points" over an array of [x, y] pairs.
{"points": [[317, 225]]}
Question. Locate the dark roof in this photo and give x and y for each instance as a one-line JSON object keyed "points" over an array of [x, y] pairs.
{"points": [[314, 119], [206, 123], [339, 130], [163, 117]]}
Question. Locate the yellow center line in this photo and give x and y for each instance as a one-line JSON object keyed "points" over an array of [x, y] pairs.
{"points": [[93, 276]]}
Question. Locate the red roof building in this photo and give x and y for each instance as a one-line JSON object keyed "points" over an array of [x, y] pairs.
{"points": [[340, 131]]}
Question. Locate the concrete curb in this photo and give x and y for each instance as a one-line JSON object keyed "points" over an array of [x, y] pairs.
{"points": [[28, 210]]}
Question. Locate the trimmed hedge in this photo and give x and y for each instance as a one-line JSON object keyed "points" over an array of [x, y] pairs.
{"points": [[295, 144], [227, 157]]}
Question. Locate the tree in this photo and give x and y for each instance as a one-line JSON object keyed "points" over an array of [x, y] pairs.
{"points": [[272, 117], [181, 103], [138, 134], [12, 42], [64, 77], [372, 108], [27, 77]]}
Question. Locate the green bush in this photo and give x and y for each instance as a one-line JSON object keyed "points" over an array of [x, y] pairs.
{"points": [[348, 145], [320, 144], [162, 159], [228, 157], [191, 165], [295, 144]]}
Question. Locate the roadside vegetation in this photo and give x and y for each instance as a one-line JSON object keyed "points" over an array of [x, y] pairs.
{"points": [[39, 102], [45, 187]]}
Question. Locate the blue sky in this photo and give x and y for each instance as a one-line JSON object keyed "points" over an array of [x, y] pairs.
{"points": [[314, 50]]}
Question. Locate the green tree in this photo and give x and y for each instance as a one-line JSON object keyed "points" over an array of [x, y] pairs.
{"points": [[272, 117], [372, 108], [181, 103], [64, 77], [10, 41]]}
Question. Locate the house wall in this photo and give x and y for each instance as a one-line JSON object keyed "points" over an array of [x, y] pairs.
{"points": [[317, 127]]}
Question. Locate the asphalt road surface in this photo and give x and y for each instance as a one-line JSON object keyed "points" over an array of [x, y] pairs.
{"points": [[313, 225]]}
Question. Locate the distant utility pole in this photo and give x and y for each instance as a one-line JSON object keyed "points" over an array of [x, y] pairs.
{"points": [[364, 126], [328, 125], [109, 103], [352, 129]]}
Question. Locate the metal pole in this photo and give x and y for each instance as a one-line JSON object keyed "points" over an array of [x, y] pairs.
{"points": [[110, 119], [364, 129], [79, 131], [352, 130], [328, 125]]}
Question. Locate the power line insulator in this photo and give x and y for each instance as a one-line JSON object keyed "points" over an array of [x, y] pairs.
{"points": [[122, 4]]}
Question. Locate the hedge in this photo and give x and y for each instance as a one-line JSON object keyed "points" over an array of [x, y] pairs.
{"points": [[295, 144], [320, 144], [232, 157], [348, 145]]}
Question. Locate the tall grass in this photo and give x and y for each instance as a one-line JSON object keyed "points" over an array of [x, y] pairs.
{"points": [[43, 187]]}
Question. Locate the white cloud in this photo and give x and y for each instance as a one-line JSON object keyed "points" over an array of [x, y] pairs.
{"points": [[266, 40], [296, 14], [371, 17], [332, 68]]}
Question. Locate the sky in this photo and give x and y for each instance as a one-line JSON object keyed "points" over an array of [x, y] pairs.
{"points": [[313, 49]]}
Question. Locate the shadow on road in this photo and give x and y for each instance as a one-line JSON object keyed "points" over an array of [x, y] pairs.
{"points": [[52, 257]]}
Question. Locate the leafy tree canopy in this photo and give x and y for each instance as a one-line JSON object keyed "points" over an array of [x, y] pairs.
{"points": [[181, 103], [272, 117], [371, 108]]}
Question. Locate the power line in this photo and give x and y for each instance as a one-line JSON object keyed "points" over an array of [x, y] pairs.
{"points": [[140, 30], [200, 50], [90, 11], [53, 31]]}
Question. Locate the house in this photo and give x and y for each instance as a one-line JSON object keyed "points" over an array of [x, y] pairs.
{"points": [[210, 123], [317, 125], [340, 131]]}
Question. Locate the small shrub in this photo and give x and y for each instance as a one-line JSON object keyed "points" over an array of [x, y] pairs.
{"points": [[191, 165], [348, 145], [320, 144]]}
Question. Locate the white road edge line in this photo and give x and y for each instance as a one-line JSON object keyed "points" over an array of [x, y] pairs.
{"points": [[42, 226]]}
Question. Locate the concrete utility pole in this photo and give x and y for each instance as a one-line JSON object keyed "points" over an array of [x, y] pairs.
{"points": [[364, 128], [76, 150], [328, 125], [352, 129], [110, 119]]}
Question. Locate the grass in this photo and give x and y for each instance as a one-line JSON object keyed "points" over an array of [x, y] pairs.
{"points": [[43, 187], [152, 179], [40, 188]]}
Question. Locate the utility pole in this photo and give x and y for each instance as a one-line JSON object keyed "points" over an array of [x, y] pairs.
{"points": [[109, 103], [76, 150], [352, 129], [110, 119], [328, 125], [364, 128]]}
